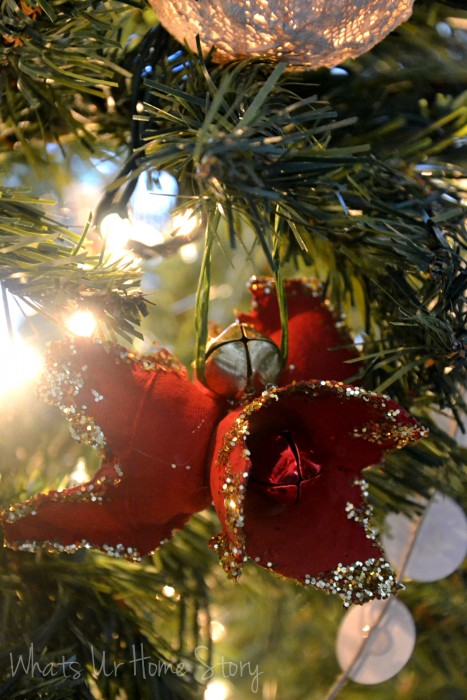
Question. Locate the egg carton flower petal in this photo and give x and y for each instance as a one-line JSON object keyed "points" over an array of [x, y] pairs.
{"points": [[320, 346], [153, 428], [287, 485]]}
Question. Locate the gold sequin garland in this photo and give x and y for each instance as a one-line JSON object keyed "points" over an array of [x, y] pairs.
{"points": [[358, 582]]}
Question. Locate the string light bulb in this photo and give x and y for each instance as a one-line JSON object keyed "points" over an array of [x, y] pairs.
{"points": [[189, 253], [79, 474], [82, 323], [184, 223], [168, 591], [218, 689], [116, 231], [217, 630], [143, 217]]}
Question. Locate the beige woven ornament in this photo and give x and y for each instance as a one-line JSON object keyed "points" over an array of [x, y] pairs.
{"points": [[308, 33]]}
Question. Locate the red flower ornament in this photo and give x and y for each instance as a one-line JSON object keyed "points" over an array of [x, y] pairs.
{"points": [[286, 474], [153, 428], [286, 471]]}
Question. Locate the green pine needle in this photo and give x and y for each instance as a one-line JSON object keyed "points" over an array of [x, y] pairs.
{"points": [[44, 265]]}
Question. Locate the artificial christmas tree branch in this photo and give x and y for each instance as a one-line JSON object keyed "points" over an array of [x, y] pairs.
{"points": [[356, 175], [66, 70], [121, 648], [47, 267], [326, 202]]}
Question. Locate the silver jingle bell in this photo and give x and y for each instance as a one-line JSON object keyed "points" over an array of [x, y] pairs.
{"points": [[241, 362]]}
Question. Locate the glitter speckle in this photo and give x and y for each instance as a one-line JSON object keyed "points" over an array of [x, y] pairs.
{"points": [[362, 514], [357, 583]]}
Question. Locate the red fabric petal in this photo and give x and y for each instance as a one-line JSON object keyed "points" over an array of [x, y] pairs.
{"points": [[101, 514], [319, 344], [284, 486], [150, 421]]}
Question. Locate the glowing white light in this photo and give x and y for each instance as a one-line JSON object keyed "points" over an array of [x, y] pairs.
{"points": [[189, 253], [168, 591], [82, 323], [217, 630], [154, 196], [184, 224], [19, 365], [89, 188], [146, 234], [217, 690], [79, 474], [116, 232]]}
